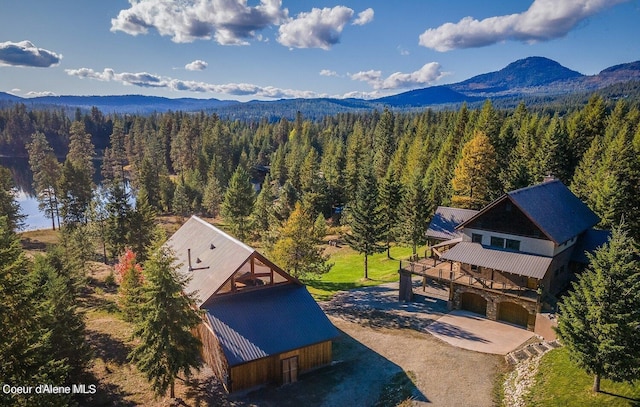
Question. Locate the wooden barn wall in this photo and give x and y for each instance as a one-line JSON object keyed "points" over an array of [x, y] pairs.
{"points": [[212, 353], [269, 370]]}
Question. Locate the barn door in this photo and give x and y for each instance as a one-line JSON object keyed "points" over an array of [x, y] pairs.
{"points": [[290, 370]]}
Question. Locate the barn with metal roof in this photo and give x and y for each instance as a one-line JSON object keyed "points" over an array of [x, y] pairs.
{"points": [[260, 324]]}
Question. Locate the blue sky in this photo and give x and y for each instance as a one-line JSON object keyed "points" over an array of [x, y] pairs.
{"points": [[271, 49]]}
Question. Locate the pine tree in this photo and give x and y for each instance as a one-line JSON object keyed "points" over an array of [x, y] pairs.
{"points": [[475, 174], [599, 321], [298, 248], [262, 213], [9, 207], [167, 346], [212, 196], [42, 336], [129, 276], [390, 200], [355, 155], [554, 155], [76, 192], [415, 209], [149, 183], [54, 290], [46, 172], [365, 220], [142, 222], [81, 149], [238, 203], [17, 336], [117, 224], [384, 143]]}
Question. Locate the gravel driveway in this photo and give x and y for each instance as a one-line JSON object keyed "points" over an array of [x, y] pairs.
{"points": [[383, 342]]}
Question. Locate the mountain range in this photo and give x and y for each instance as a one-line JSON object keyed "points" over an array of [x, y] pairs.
{"points": [[532, 77]]}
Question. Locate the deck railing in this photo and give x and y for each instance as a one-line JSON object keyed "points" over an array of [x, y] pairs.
{"points": [[443, 271]]}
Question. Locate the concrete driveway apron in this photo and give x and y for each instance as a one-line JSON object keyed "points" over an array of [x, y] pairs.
{"points": [[471, 331]]}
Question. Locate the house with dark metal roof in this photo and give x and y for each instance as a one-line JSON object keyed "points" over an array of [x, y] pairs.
{"points": [[445, 221], [515, 253], [260, 325]]}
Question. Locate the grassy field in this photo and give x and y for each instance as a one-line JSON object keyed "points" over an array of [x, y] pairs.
{"points": [[348, 271], [560, 382]]}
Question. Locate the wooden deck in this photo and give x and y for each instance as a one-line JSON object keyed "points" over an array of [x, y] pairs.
{"points": [[442, 271]]}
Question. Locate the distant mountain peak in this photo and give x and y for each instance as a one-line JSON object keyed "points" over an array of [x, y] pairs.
{"points": [[527, 72]]}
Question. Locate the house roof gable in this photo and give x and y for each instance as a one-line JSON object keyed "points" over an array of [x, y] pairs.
{"points": [[552, 207]]}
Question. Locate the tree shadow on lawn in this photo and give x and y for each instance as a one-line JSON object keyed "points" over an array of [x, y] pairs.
{"points": [[107, 394], [330, 286], [635, 401], [107, 348], [206, 391], [357, 377]]}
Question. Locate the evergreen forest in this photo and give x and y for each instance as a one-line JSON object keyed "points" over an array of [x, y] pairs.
{"points": [[185, 163]]}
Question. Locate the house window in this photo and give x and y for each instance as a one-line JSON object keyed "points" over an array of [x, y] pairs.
{"points": [[474, 267], [513, 244], [476, 238], [497, 242]]}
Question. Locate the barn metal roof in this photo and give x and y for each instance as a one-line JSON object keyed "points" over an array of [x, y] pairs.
{"points": [[212, 265], [522, 264], [444, 222], [255, 324]]}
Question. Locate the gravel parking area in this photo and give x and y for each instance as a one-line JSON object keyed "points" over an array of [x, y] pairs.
{"points": [[383, 342]]}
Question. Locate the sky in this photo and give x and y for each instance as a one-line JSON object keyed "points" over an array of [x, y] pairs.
{"points": [[271, 49]]}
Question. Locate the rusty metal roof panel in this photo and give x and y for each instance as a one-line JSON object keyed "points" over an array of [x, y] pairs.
{"points": [[215, 256], [255, 324], [522, 264], [445, 220]]}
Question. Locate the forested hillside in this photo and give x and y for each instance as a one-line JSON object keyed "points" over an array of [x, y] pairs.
{"points": [[184, 162]]}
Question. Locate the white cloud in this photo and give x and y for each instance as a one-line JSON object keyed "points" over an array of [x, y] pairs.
{"points": [[229, 22], [197, 65], [319, 28], [543, 21], [328, 72], [24, 53], [403, 51], [364, 17], [370, 76], [426, 75], [38, 94], [144, 79]]}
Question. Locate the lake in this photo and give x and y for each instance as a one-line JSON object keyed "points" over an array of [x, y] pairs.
{"points": [[22, 177]]}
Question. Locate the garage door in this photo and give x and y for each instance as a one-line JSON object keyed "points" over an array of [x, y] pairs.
{"points": [[474, 303], [513, 313]]}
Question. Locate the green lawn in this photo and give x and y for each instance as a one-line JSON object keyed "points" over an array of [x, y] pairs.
{"points": [[560, 382], [348, 271]]}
